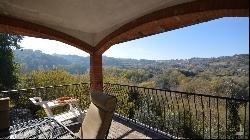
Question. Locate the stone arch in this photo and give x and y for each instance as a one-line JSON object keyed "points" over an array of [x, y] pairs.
{"points": [[173, 18], [13, 25]]}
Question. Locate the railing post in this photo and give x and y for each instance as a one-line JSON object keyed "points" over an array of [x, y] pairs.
{"points": [[96, 76], [4, 117]]}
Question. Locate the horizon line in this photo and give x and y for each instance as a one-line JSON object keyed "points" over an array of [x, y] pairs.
{"points": [[140, 58]]}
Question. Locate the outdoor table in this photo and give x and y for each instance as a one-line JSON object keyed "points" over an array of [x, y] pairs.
{"points": [[43, 128], [74, 111]]}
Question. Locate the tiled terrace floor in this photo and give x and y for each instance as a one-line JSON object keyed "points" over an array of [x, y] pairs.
{"points": [[122, 129]]}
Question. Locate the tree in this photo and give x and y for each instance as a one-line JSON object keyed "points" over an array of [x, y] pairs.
{"points": [[8, 68], [51, 78]]}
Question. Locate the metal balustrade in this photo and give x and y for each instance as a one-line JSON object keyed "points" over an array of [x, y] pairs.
{"points": [[181, 114], [171, 113]]}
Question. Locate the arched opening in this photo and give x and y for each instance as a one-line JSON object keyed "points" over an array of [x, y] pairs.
{"points": [[179, 49]]}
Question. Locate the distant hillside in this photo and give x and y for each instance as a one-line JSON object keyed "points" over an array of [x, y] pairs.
{"points": [[36, 60]]}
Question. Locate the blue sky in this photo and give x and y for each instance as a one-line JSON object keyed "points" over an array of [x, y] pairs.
{"points": [[221, 37]]}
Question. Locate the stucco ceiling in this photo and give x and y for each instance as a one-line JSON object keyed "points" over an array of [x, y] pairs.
{"points": [[87, 20]]}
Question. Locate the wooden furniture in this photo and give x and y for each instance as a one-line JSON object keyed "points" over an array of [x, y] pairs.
{"points": [[73, 112]]}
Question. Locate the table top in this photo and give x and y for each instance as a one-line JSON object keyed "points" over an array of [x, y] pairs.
{"points": [[43, 128], [53, 103]]}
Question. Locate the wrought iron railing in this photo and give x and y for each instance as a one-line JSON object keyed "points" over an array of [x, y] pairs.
{"points": [[181, 114], [22, 109], [171, 113]]}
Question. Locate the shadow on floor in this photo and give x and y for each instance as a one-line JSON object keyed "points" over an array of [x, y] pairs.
{"points": [[140, 129]]}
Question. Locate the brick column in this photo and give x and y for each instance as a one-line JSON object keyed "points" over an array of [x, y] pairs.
{"points": [[96, 76]]}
